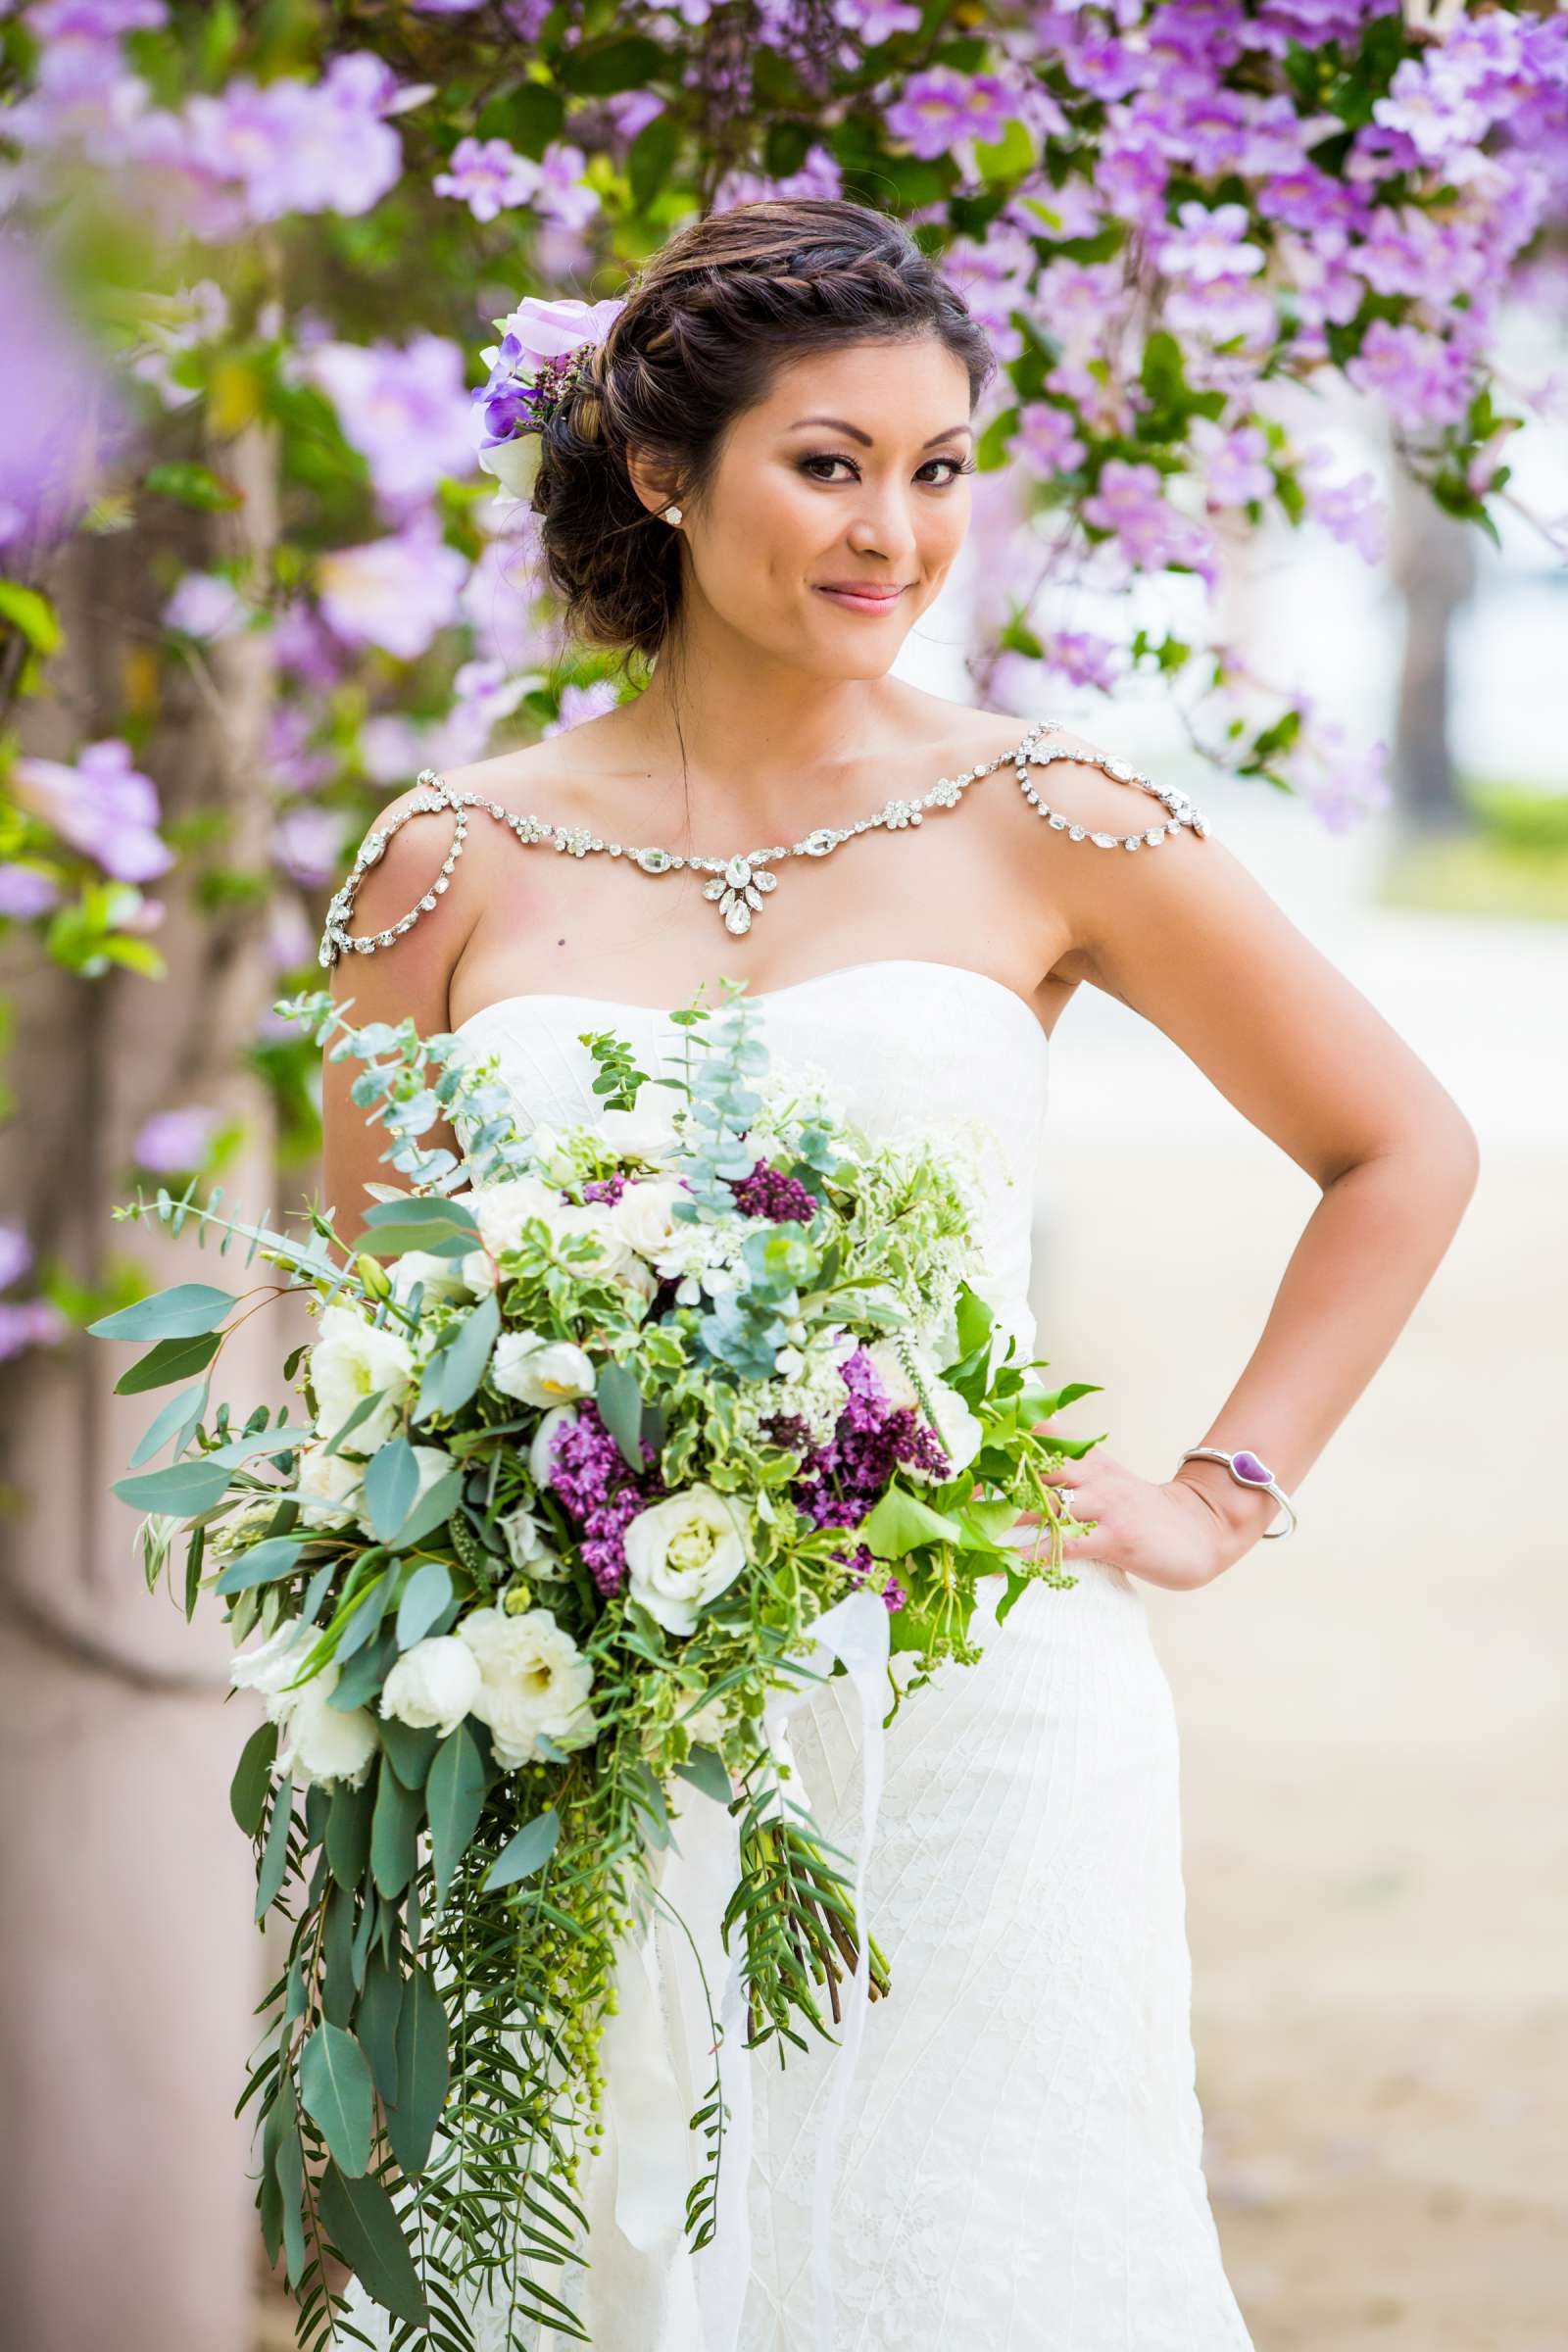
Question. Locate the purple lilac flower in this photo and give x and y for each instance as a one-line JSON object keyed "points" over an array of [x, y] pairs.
{"points": [[173, 1140], [597, 1489], [839, 1481], [488, 176], [606, 1190], [768, 1192], [858, 1564], [25, 892], [103, 807], [406, 411]]}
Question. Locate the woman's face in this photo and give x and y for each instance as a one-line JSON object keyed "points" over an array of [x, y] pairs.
{"points": [[852, 474]]}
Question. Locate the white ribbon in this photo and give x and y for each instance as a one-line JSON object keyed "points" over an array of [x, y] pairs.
{"points": [[646, 2290]]}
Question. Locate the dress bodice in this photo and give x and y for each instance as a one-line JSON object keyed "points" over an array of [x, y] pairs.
{"points": [[902, 1044]]}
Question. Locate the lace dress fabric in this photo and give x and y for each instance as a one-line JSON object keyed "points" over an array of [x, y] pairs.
{"points": [[1021, 2165]]}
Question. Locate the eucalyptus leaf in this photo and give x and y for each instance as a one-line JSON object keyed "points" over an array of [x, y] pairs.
{"points": [[181, 1492], [336, 2092], [454, 1371], [455, 1792], [409, 1751], [263, 1564], [394, 1831], [391, 1481], [423, 2072], [175, 1419], [433, 1508], [363, 2226], [253, 1775], [526, 1852], [337, 1952], [361, 1680], [620, 1408], [424, 1596], [376, 2024], [274, 1854], [180, 1313], [169, 1361], [348, 1832]]}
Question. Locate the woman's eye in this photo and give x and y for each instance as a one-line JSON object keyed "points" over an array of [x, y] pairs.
{"points": [[954, 465]]}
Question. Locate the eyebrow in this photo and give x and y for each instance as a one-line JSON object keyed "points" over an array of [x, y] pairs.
{"points": [[840, 426]]}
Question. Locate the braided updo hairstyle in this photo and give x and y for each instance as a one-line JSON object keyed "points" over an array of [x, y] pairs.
{"points": [[707, 325]]}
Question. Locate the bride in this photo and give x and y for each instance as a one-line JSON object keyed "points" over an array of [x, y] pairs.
{"points": [[755, 483]]}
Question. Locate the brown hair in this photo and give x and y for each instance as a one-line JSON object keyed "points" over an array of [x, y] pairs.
{"points": [[708, 322]]}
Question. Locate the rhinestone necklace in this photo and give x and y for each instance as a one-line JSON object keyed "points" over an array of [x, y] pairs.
{"points": [[740, 883]]}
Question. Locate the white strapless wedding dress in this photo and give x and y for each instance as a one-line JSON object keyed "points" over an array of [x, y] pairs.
{"points": [[1021, 2164]]}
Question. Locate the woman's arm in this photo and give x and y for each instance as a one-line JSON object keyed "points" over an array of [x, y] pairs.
{"points": [[407, 980], [1186, 937]]}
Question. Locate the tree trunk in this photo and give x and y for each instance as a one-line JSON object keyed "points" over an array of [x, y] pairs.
{"points": [[126, 1946], [1433, 565]]}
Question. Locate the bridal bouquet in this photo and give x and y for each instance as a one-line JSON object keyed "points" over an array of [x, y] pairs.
{"points": [[598, 1424]]}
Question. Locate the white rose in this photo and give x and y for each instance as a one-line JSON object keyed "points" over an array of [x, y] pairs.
{"points": [[442, 1276], [318, 1741], [433, 1684], [479, 1271], [614, 1255], [331, 1488], [643, 1214], [349, 1363], [533, 1679], [683, 1551], [271, 1665], [502, 1209], [540, 1371], [544, 1437], [645, 1132], [526, 1546]]}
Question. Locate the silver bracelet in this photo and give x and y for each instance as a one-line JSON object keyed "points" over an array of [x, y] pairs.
{"points": [[1249, 1471]]}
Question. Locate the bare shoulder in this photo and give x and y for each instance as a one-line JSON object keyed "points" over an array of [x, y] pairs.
{"points": [[411, 897]]}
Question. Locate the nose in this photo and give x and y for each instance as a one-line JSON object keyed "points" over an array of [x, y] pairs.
{"points": [[884, 525]]}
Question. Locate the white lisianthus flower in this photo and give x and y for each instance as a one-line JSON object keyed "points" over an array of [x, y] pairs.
{"points": [[683, 1551], [330, 1486], [540, 1371], [271, 1665], [645, 1132], [526, 1546], [614, 1255], [643, 1214], [533, 1679], [442, 1276], [544, 1437], [502, 1209], [318, 1741], [433, 1684], [351, 1360], [958, 1432]]}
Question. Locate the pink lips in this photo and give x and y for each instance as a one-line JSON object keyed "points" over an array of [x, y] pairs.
{"points": [[863, 599]]}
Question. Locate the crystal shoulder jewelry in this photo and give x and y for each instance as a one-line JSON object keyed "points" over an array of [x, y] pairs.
{"points": [[740, 883]]}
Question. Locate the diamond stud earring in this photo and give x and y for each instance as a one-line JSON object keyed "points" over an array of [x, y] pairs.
{"points": [[673, 515]]}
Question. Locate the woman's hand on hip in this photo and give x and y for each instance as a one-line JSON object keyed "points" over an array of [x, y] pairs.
{"points": [[1169, 1535]]}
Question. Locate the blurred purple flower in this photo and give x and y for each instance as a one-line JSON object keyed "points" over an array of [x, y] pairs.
{"points": [[394, 593], [173, 1140], [406, 411], [60, 421], [308, 844], [25, 893], [204, 605], [94, 20], [304, 648], [27, 1323], [578, 703], [1351, 511], [297, 146], [488, 176], [103, 807], [1083, 657], [1047, 439], [942, 105], [1232, 461], [16, 1254]]}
